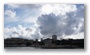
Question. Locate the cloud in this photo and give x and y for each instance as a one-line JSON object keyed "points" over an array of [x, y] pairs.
{"points": [[24, 6], [12, 6], [10, 13], [34, 21], [30, 20], [24, 11], [60, 9], [36, 35], [10, 16], [71, 23], [47, 23], [21, 32], [76, 36], [8, 31], [30, 6]]}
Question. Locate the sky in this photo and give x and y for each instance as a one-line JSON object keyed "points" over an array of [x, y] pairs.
{"points": [[36, 21]]}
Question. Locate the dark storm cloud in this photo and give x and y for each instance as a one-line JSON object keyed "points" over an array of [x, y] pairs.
{"points": [[35, 35], [51, 24], [48, 24]]}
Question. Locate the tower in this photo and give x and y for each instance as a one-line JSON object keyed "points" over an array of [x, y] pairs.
{"points": [[54, 37]]}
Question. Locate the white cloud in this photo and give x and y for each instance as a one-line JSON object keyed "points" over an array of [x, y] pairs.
{"points": [[10, 16], [10, 13], [13, 6], [58, 9], [74, 36], [30, 19], [8, 32], [21, 32]]}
